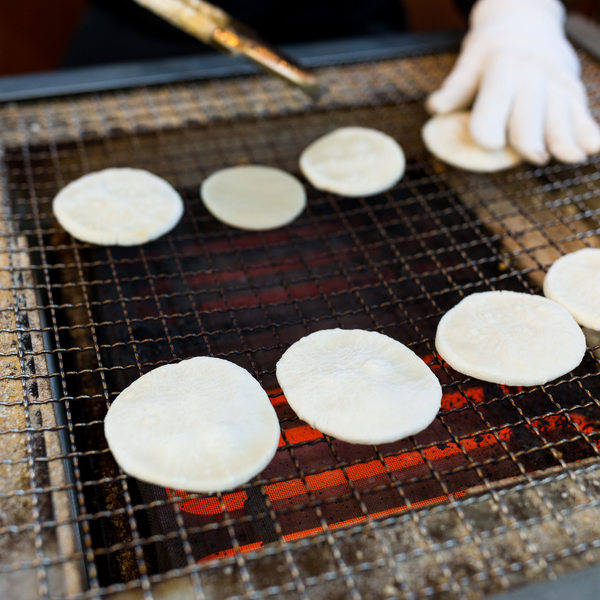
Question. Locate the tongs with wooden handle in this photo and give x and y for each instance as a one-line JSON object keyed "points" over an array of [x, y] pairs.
{"points": [[215, 27]]}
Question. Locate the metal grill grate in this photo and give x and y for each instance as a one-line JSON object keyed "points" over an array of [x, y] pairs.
{"points": [[503, 488]]}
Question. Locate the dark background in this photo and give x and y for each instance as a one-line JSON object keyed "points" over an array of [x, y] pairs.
{"points": [[35, 34]]}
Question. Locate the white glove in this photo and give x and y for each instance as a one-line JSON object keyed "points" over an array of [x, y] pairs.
{"points": [[524, 75]]}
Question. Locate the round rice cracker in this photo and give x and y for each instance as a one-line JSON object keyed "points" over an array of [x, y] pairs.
{"points": [[353, 162], [253, 197], [359, 386], [201, 425], [510, 338], [448, 138], [123, 207], [574, 282]]}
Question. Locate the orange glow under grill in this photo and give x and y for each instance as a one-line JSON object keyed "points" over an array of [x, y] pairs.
{"points": [[296, 487], [336, 477], [317, 530], [231, 552], [210, 505]]}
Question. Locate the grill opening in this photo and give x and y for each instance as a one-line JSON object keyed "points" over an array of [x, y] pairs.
{"points": [[393, 263]]}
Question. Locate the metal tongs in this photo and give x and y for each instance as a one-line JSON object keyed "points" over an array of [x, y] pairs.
{"points": [[215, 27]]}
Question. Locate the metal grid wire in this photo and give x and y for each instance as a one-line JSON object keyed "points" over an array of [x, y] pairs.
{"points": [[502, 488]]}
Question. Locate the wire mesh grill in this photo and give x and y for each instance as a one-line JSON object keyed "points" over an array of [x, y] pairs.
{"points": [[458, 510]]}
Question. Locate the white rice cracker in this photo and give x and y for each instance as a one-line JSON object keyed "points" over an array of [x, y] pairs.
{"points": [[253, 197], [353, 161], [123, 207], [574, 282], [359, 386], [448, 137], [510, 338], [201, 425]]}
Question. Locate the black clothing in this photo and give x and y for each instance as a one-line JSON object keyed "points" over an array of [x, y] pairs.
{"points": [[465, 6]]}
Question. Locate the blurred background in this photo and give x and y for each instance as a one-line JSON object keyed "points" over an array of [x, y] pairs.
{"points": [[42, 35]]}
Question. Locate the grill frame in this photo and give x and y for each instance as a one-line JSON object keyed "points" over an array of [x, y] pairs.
{"points": [[486, 202]]}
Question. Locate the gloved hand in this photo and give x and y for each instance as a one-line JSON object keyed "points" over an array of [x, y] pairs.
{"points": [[524, 76]]}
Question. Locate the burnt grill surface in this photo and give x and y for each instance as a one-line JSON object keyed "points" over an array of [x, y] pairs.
{"points": [[393, 263]]}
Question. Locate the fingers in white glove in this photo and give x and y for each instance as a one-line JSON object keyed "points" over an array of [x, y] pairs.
{"points": [[527, 119], [459, 88], [587, 131], [560, 134], [494, 102]]}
